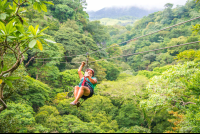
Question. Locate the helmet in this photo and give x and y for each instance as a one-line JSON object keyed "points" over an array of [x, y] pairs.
{"points": [[91, 70]]}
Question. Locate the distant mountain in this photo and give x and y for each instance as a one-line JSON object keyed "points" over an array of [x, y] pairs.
{"points": [[117, 12]]}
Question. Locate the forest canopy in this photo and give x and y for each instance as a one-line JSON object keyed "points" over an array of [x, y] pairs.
{"points": [[42, 45]]}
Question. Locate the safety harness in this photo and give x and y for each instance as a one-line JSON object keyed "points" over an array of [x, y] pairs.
{"points": [[85, 80]]}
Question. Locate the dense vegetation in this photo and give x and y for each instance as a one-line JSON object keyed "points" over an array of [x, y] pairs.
{"points": [[154, 92]]}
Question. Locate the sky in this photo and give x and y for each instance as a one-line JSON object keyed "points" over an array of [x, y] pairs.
{"points": [[94, 5]]}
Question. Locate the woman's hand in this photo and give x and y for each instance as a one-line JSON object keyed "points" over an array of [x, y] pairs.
{"points": [[83, 64]]}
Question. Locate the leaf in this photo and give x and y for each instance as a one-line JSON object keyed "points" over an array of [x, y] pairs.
{"points": [[12, 78], [48, 2], [49, 41], [43, 42], [1, 81], [39, 45], [37, 29], [3, 16], [44, 7], [35, 5], [20, 28], [8, 83], [38, 7], [9, 27], [4, 68], [2, 26], [32, 43], [10, 7], [31, 28], [43, 29]]}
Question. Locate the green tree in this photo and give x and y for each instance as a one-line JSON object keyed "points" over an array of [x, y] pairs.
{"points": [[68, 9], [172, 90], [14, 38], [129, 115], [74, 42], [36, 94], [164, 59], [49, 117], [114, 50], [167, 14], [98, 32], [112, 71], [17, 118]]}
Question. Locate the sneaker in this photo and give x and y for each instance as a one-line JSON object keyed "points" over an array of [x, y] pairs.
{"points": [[73, 103], [78, 104]]}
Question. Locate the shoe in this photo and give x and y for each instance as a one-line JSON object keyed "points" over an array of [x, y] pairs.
{"points": [[73, 103], [78, 104]]}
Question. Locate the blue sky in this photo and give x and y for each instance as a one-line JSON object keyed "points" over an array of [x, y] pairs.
{"points": [[146, 4]]}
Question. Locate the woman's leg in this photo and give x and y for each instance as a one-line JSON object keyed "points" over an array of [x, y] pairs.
{"points": [[76, 89], [82, 91]]}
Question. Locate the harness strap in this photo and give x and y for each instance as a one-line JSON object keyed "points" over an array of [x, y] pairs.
{"points": [[84, 80]]}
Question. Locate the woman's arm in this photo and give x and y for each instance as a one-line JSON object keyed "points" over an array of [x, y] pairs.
{"points": [[93, 81], [79, 70]]}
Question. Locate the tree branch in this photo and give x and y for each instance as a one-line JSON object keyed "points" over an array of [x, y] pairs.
{"points": [[1, 97], [4, 104], [13, 67], [32, 58], [13, 51], [188, 103], [1, 90], [15, 2], [24, 51]]}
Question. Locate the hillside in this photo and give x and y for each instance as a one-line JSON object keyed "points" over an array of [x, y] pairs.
{"points": [[117, 12]]}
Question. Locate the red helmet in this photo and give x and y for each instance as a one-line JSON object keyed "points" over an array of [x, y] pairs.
{"points": [[91, 70]]}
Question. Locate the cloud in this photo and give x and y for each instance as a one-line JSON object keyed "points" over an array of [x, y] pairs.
{"points": [[147, 4]]}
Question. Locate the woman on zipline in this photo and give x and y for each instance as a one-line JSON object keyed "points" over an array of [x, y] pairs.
{"points": [[86, 86]]}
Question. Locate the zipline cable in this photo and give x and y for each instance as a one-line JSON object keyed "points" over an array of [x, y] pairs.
{"points": [[148, 51], [133, 53], [128, 40]]}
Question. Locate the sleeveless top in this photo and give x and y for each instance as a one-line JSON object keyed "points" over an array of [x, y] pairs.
{"points": [[88, 81]]}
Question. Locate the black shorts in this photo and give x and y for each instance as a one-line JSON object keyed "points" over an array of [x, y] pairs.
{"points": [[91, 91]]}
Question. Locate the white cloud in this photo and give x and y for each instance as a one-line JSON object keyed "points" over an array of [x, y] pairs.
{"points": [[147, 4]]}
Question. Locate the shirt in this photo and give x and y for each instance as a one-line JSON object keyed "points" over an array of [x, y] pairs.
{"points": [[90, 84]]}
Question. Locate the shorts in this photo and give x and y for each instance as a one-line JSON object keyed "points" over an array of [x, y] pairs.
{"points": [[91, 91]]}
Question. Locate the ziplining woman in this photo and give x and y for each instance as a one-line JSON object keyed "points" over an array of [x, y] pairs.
{"points": [[86, 86]]}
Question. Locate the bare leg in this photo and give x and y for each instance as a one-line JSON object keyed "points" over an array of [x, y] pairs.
{"points": [[82, 91], [76, 89]]}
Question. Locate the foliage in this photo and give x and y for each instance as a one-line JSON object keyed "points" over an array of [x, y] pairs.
{"points": [[15, 38], [162, 97], [114, 50], [156, 71], [97, 31], [16, 118], [172, 90], [74, 42], [129, 115], [188, 55], [112, 71], [134, 129], [68, 79], [72, 124], [97, 108], [36, 94], [49, 117], [124, 89]]}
